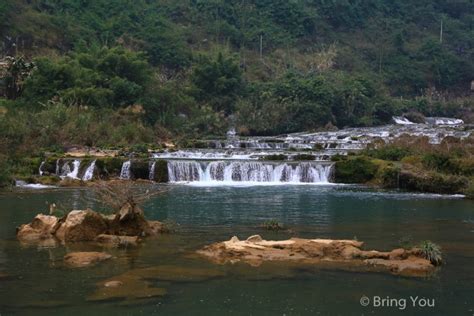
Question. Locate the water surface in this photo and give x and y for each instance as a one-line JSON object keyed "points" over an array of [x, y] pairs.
{"points": [[35, 281]]}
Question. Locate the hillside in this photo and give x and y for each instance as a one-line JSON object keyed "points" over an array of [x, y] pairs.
{"points": [[195, 68]]}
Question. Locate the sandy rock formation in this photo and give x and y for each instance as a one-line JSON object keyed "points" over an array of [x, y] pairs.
{"points": [[81, 226], [338, 253], [87, 225], [41, 228], [85, 259]]}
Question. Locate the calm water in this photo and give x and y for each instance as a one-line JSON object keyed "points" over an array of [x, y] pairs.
{"points": [[35, 282]]}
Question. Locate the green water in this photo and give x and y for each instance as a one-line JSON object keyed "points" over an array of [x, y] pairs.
{"points": [[35, 281]]}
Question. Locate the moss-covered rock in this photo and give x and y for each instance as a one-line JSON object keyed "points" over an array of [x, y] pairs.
{"points": [[304, 157], [140, 169], [355, 170], [110, 167], [161, 171], [276, 157]]}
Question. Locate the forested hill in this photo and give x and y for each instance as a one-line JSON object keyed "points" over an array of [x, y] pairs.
{"points": [[197, 67]]}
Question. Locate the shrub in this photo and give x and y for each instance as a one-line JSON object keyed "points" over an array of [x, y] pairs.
{"points": [[388, 176], [469, 191], [272, 225], [431, 252], [276, 157], [392, 153], [436, 161], [304, 157], [415, 117], [355, 170]]}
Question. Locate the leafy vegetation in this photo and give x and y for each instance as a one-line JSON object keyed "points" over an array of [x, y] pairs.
{"points": [[189, 69], [272, 225], [431, 251]]}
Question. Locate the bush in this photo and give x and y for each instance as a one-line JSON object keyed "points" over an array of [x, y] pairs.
{"points": [[276, 157], [5, 175], [272, 225], [392, 153], [469, 192], [304, 157], [389, 176], [355, 170], [431, 252], [436, 161]]}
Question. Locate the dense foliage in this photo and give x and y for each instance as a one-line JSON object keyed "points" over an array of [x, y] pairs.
{"points": [[126, 72]]}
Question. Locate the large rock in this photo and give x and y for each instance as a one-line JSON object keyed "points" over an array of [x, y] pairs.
{"points": [[121, 229], [82, 226], [324, 252], [41, 228], [85, 259]]}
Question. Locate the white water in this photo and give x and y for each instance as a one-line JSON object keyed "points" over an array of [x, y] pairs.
{"points": [[23, 184], [152, 171], [402, 120], [89, 173], [40, 170], [248, 172], [75, 169], [125, 172]]}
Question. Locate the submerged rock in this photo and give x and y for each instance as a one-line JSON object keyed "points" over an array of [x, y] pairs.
{"points": [[126, 288], [85, 259], [118, 241], [339, 253]]}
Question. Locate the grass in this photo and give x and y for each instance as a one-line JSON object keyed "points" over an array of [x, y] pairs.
{"points": [[431, 252], [272, 225]]}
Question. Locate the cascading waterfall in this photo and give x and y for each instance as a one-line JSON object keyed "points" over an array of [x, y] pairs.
{"points": [[89, 173], [248, 171], [125, 172], [75, 169], [151, 175], [40, 170]]}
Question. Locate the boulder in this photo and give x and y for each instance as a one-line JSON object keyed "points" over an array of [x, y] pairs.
{"points": [[85, 259], [41, 228], [82, 226]]}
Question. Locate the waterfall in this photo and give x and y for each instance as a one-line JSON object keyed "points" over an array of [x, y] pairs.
{"points": [[40, 170], [58, 170], [75, 169], [125, 172], [89, 173], [248, 171], [152, 171]]}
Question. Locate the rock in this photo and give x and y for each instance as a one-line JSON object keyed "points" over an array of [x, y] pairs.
{"points": [[127, 288], [41, 228], [113, 283], [323, 252], [82, 226], [117, 241], [254, 238], [85, 259], [397, 254], [86, 225], [412, 266]]}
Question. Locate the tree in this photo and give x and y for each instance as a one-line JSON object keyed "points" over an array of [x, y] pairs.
{"points": [[217, 81]]}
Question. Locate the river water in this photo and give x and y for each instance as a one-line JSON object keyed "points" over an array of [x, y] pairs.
{"points": [[34, 281]]}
